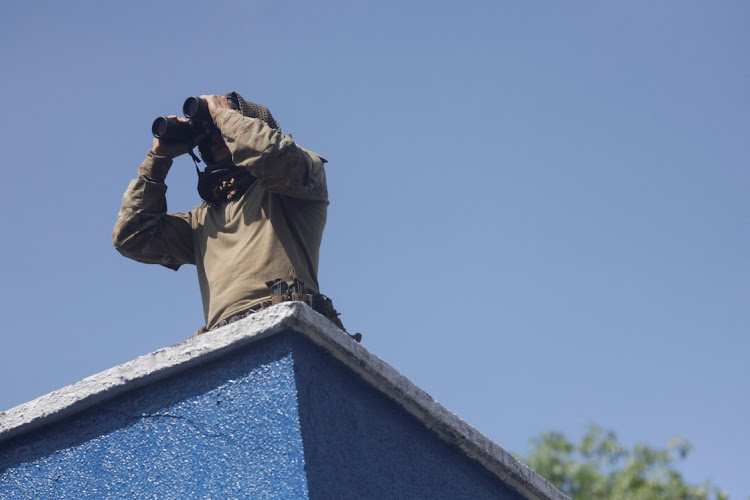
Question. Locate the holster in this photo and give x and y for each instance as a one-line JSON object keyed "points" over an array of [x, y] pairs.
{"points": [[323, 305]]}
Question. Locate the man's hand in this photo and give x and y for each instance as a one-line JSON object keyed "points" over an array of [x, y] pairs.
{"points": [[216, 103], [175, 149]]}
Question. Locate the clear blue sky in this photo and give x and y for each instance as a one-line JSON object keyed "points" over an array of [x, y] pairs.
{"points": [[539, 210]]}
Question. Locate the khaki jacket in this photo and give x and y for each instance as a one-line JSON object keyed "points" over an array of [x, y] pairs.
{"points": [[274, 228]]}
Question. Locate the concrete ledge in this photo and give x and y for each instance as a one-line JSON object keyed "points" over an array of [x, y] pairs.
{"points": [[286, 316]]}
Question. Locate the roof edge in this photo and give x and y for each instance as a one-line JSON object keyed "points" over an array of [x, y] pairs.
{"points": [[298, 317], [424, 407], [141, 371]]}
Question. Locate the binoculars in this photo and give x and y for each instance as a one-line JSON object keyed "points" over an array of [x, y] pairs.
{"points": [[196, 110]]}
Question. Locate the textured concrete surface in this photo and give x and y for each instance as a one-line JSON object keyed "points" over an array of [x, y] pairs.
{"points": [[226, 429], [360, 444], [141, 371], [374, 379]]}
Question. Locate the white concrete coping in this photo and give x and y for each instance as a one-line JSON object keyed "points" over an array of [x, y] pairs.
{"points": [[301, 318]]}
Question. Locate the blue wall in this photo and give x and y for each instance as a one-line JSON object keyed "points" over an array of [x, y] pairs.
{"points": [[360, 444], [228, 429], [278, 419]]}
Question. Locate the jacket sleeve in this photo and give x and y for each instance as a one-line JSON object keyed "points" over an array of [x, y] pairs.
{"points": [[279, 164], [144, 231]]}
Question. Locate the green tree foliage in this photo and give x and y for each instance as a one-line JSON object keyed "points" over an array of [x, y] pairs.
{"points": [[601, 468]]}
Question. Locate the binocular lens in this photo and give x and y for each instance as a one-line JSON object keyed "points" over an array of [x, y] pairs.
{"points": [[193, 107], [159, 127], [168, 130]]}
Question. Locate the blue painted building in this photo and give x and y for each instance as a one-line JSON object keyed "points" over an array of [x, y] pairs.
{"points": [[279, 405]]}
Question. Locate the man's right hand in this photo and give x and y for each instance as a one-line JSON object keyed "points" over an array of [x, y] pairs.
{"points": [[175, 149]]}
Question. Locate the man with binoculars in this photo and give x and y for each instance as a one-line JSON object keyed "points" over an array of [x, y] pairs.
{"points": [[261, 223]]}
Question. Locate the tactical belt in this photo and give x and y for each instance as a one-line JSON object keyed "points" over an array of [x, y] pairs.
{"points": [[281, 291], [319, 302], [235, 317]]}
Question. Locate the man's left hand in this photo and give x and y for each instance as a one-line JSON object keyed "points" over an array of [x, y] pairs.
{"points": [[216, 103]]}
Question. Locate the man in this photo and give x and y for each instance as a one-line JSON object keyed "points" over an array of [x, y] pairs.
{"points": [[261, 223]]}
